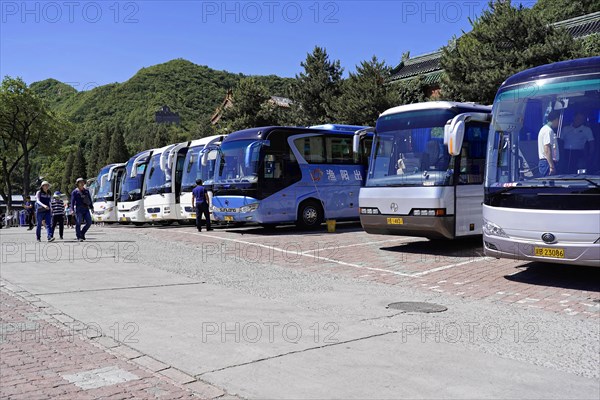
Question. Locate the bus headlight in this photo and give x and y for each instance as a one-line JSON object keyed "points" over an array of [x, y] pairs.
{"points": [[135, 208], [491, 229], [369, 210], [249, 208], [428, 212]]}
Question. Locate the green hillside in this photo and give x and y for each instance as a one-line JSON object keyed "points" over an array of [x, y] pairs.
{"points": [[194, 91]]}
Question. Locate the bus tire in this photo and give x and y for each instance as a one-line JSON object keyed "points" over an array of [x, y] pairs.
{"points": [[310, 215]]}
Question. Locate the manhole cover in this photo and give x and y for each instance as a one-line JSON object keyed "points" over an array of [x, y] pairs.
{"points": [[415, 306]]}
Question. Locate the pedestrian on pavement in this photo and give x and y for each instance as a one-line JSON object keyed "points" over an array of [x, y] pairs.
{"points": [[69, 215], [58, 214], [43, 212], [81, 204], [200, 203], [29, 210]]}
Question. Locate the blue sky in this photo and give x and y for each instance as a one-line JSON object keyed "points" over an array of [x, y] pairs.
{"points": [[90, 43]]}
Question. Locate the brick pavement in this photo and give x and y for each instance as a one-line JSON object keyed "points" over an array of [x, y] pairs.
{"points": [[42, 357]]}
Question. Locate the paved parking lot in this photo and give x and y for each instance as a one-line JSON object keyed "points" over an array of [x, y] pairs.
{"points": [[168, 312], [455, 267]]}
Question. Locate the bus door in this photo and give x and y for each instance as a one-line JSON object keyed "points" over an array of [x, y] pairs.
{"points": [[469, 167], [279, 172]]}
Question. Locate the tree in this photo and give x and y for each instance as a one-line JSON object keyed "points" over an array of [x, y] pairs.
{"points": [[409, 91], [78, 170], [316, 88], [364, 94], [589, 45], [67, 180], [94, 155], [26, 120], [557, 10], [9, 161], [249, 96], [503, 41], [118, 150]]}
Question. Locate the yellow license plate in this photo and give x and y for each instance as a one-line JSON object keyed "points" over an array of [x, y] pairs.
{"points": [[228, 218], [123, 219], [193, 215], [99, 218], [395, 221], [549, 252], [154, 215]]}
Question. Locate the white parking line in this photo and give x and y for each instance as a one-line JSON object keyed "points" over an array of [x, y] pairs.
{"points": [[404, 239], [429, 271], [305, 255]]}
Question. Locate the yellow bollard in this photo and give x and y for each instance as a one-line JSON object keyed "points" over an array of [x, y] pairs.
{"points": [[331, 225]]}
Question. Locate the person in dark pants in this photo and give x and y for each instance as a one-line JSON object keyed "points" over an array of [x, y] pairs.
{"points": [[29, 212], [43, 213], [81, 204], [200, 202], [58, 214]]}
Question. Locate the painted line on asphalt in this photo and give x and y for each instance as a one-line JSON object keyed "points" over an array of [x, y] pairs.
{"points": [[306, 255]]}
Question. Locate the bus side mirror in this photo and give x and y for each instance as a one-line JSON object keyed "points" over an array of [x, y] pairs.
{"points": [[356, 144], [454, 133], [204, 159]]}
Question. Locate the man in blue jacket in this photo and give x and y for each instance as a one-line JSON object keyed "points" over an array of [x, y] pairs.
{"points": [[81, 204], [200, 203]]}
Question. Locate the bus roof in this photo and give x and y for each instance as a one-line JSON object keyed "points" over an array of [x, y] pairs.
{"points": [[263, 132], [204, 140], [562, 68], [430, 105], [339, 127]]}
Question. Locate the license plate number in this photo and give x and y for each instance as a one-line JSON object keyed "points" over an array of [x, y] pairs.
{"points": [[228, 218], [99, 218], [154, 215], [395, 221], [193, 215], [123, 219], [549, 252]]}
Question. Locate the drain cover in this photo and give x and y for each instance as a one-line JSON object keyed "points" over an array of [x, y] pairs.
{"points": [[415, 306]]}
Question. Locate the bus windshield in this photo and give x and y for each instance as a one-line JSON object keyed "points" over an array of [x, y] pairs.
{"points": [[558, 118], [104, 186], [238, 162], [193, 169], [158, 180], [409, 150], [131, 188]]}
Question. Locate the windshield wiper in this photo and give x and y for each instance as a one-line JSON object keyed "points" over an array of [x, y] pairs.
{"points": [[569, 179]]}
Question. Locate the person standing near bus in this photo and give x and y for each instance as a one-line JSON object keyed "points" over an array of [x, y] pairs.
{"points": [[81, 204], [43, 213], [58, 214], [548, 146], [29, 210], [200, 203]]}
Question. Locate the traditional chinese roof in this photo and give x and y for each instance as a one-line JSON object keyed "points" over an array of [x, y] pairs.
{"points": [[429, 65]]}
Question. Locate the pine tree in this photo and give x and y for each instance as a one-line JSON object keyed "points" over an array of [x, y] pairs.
{"points": [[316, 88], [94, 155], [67, 182], [118, 150], [78, 170], [558, 10], [503, 41], [103, 149], [364, 94]]}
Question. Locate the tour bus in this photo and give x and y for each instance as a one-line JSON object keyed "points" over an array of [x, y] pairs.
{"points": [[162, 185], [105, 200], [531, 212], [130, 204], [199, 163], [422, 181], [280, 175]]}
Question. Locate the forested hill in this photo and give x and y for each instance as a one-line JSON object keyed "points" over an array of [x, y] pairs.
{"points": [[194, 91]]}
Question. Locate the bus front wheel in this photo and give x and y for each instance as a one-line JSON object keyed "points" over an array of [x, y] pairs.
{"points": [[310, 215]]}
